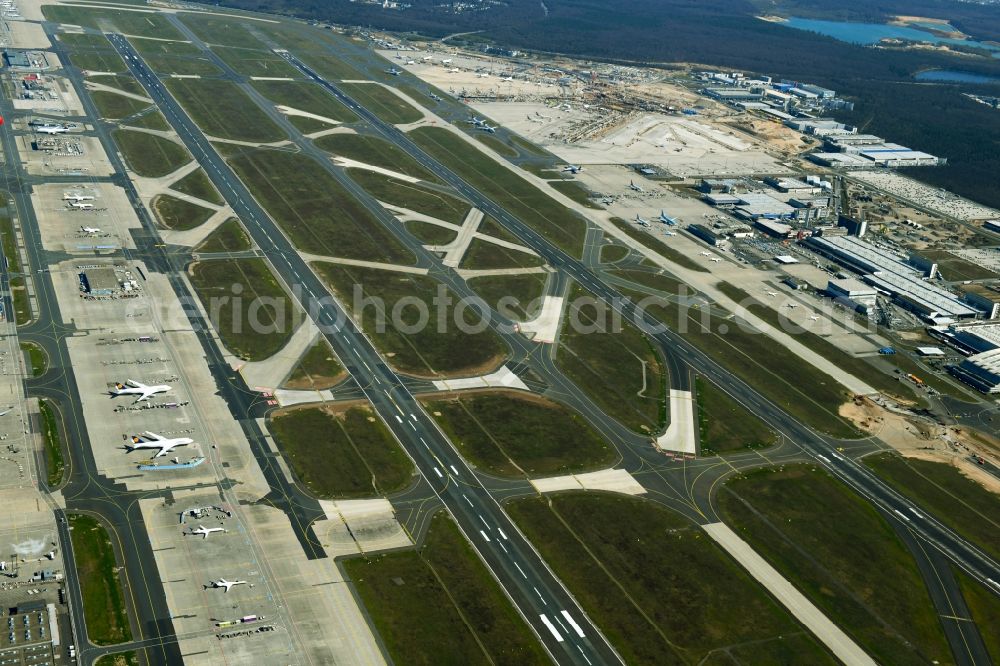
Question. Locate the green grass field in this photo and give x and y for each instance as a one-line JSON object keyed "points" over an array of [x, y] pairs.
{"points": [[351, 454], [183, 66], [177, 214], [959, 502], [18, 291], [482, 254], [985, 611], [517, 297], [516, 436], [156, 47], [382, 102], [801, 389], [527, 148], [330, 67], [440, 605], [660, 281], [52, 440], [375, 151], [221, 30], [103, 603], [149, 155], [37, 360], [228, 237], [308, 125], [315, 210], [831, 352], [130, 658], [436, 348], [657, 586], [620, 371], [124, 83], [307, 97], [430, 233], [113, 106], [141, 23], [222, 110], [837, 550], [197, 184], [658, 246], [612, 253], [725, 425], [411, 196], [558, 224], [255, 63], [577, 192], [318, 369], [74, 40], [254, 323], [152, 119], [496, 144], [98, 61]]}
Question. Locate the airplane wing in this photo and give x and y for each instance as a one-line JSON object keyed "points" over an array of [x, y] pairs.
{"points": [[153, 436]]}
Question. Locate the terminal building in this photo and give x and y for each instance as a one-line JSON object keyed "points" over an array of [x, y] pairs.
{"points": [[898, 277]]}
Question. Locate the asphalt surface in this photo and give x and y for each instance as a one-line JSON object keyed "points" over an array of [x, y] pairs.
{"points": [[563, 628], [471, 497], [822, 448], [680, 356]]}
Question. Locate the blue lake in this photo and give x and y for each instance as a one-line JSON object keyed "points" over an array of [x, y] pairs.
{"points": [[954, 76], [871, 33]]}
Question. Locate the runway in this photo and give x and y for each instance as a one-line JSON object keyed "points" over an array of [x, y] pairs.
{"points": [[536, 592]]}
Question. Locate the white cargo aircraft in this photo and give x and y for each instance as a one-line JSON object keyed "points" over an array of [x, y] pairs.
{"points": [[486, 128], [227, 584], [90, 230], [716, 259], [150, 440], [132, 387], [69, 196], [640, 221], [572, 168], [205, 531], [81, 205], [52, 129], [636, 188]]}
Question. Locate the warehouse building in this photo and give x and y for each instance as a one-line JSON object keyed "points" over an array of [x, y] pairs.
{"points": [[841, 160], [983, 297], [791, 185], [854, 292], [17, 59], [710, 236], [894, 155], [895, 276], [100, 281], [981, 344]]}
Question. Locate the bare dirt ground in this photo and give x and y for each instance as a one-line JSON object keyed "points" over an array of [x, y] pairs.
{"points": [[915, 437]]}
